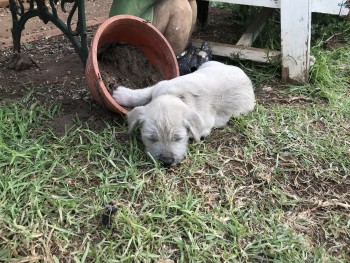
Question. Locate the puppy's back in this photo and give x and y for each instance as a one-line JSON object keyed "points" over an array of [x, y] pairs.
{"points": [[229, 88], [214, 87]]}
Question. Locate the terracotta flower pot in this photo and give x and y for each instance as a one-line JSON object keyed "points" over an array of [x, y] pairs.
{"points": [[135, 32]]}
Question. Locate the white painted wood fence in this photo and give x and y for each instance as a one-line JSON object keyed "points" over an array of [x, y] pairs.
{"points": [[295, 34]]}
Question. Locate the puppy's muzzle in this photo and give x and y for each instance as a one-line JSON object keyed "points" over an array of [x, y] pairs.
{"points": [[166, 160]]}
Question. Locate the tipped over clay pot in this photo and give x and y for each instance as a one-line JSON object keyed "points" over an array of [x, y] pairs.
{"points": [[136, 32]]}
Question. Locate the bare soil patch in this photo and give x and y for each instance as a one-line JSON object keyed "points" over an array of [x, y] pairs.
{"points": [[221, 28], [57, 77], [94, 10]]}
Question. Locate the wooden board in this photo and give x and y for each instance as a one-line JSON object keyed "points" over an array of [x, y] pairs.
{"points": [[255, 28], [240, 52]]}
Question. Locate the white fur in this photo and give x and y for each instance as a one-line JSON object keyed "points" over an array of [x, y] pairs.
{"points": [[189, 106]]}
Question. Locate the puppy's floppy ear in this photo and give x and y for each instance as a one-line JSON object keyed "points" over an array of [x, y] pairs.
{"points": [[195, 124], [135, 118]]}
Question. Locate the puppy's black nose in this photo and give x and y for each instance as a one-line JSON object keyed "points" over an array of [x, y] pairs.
{"points": [[166, 160]]}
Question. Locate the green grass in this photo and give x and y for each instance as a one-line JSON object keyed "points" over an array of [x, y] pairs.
{"points": [[272, 186]]}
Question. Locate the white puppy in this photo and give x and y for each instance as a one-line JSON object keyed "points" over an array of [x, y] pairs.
{"points": [[189, 106]]}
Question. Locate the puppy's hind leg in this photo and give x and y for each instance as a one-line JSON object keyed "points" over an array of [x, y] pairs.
{"points": [[132, 97]]}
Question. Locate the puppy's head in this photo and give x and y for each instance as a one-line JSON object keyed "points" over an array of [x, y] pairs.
{"points": [[166, 125]]}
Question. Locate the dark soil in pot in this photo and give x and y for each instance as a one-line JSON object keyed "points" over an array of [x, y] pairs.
{"points": [[121, 64]]}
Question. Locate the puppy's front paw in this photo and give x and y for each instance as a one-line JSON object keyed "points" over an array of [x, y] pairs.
{"points": [[123, 96]]}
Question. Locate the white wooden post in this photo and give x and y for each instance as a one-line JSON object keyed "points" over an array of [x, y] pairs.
{"points": [[295, 39]]}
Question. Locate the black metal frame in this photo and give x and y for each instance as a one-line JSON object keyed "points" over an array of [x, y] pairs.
{"points": [[38, 8]]}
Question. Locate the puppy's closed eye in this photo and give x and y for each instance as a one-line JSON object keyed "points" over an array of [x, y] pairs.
{"points": [[177, 138], [152, 138]]}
